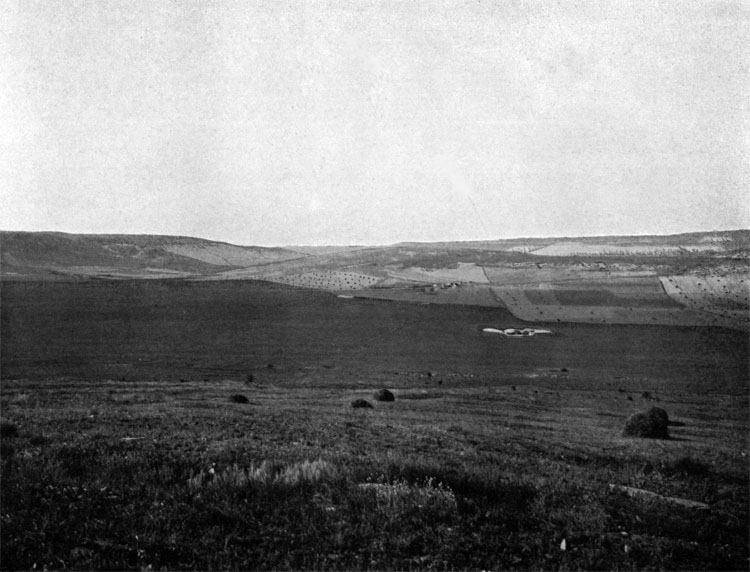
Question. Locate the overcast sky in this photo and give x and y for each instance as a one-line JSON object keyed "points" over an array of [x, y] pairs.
{"points": [[345, 122]]}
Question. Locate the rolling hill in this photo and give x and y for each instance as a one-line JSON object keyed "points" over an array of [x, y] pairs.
{"points": [[56, 253]]}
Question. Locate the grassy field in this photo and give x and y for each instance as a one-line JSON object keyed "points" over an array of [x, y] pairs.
{"points": [[126, 441]]}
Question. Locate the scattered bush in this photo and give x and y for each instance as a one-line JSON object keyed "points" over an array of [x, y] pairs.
{"points": [[8, 430], [647, 424], [239, 398], [361, 404], [384, 395]]}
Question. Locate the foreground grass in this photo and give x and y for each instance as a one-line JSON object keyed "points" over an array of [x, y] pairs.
{"points": [[177, 476]]}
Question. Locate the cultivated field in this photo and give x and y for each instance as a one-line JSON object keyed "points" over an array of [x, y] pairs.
{"points": [[330, 280], [169, 424]]}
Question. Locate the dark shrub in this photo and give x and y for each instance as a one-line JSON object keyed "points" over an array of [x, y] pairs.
{"points": [[361, 404], [646, 425], [8, 430], [384, 395], [239, 398], [646, 395], [660, 414]]}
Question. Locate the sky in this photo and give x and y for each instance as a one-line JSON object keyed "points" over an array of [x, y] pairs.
{"points": [[373, 122]]}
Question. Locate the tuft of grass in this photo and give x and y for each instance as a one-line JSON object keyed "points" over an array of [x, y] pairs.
{"points": [[395, 498], [267, 473]]}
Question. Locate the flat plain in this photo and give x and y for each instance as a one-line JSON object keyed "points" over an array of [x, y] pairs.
{"points": [[208, 424]]}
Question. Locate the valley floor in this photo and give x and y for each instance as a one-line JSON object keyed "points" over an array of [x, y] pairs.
{"points": [[179, 425]]}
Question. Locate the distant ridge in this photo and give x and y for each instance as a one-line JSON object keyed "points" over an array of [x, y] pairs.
{"points": [[53, 254]]}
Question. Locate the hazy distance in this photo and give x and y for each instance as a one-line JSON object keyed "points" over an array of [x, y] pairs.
{"points": [[276, 123]]}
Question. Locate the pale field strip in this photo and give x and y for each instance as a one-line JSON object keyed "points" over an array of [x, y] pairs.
{"points": [[466, 272], [251, 273], [580, 276], [466, 294], [228, 254], [120, 272]]}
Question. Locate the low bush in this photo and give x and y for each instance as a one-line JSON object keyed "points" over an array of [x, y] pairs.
{"points": [[361, 404], [239, 398], [649, 424]]}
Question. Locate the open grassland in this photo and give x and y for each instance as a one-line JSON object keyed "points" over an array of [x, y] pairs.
{"points": [[125, 443]]}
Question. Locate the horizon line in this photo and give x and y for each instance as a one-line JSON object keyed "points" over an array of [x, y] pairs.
{"points": [[383, 244]]}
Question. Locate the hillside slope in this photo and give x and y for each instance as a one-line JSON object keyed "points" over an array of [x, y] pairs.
{"points": [[37, 252]]}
